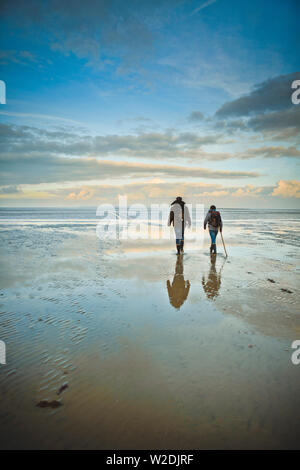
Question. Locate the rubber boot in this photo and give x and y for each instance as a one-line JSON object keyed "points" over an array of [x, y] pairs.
{"points": [[178, 249], [211, 248], [181, 246], [214, 248]]}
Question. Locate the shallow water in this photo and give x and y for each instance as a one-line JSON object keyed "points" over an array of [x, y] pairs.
{"points": [[157, 352]]}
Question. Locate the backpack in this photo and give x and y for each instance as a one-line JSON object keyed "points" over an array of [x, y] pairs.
{"points": [[215, 219]]}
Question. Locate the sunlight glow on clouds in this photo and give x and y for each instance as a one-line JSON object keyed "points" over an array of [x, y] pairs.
{"points": [[153, 98], [287, 189]]}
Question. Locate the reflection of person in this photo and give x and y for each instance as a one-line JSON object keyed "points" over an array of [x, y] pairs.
{"points": [[212, 285], [214, 221], [179, 290], [180, 218]]}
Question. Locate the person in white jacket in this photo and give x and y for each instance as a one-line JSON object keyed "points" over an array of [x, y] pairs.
{"points": [[180, 218]]}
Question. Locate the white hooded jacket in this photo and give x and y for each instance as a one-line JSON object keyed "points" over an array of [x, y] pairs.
{"points": [[179, 224]]}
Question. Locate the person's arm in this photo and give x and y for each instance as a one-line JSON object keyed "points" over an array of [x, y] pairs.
{"points": [[187, 216], [171, 218]]}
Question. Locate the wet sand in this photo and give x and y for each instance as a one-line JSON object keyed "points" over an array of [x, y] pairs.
{"points": [[152, 350]]}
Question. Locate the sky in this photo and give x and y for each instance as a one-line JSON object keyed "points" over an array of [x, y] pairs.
{"points": [[149, 99]]}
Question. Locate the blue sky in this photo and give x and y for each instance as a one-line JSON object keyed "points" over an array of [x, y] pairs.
{"points": [[149, 98]]}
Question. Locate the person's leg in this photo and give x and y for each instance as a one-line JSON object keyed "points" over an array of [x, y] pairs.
{"points": [[215, 245], [182, 243], [213, 234], [211, 243]]}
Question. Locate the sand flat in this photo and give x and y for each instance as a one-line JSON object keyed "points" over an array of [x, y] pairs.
{"points": [[157, 351]]}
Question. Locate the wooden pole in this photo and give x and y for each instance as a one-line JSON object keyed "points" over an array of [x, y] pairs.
{"points": [[224, 245]]}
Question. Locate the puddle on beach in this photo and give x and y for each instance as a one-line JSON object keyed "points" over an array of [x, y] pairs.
{"points": [[145, 349]]}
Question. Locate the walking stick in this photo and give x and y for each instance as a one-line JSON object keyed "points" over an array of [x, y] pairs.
{"points": [[224, 245]]}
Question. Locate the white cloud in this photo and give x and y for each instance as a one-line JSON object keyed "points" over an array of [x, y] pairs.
{"points": [[287, 189]]}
